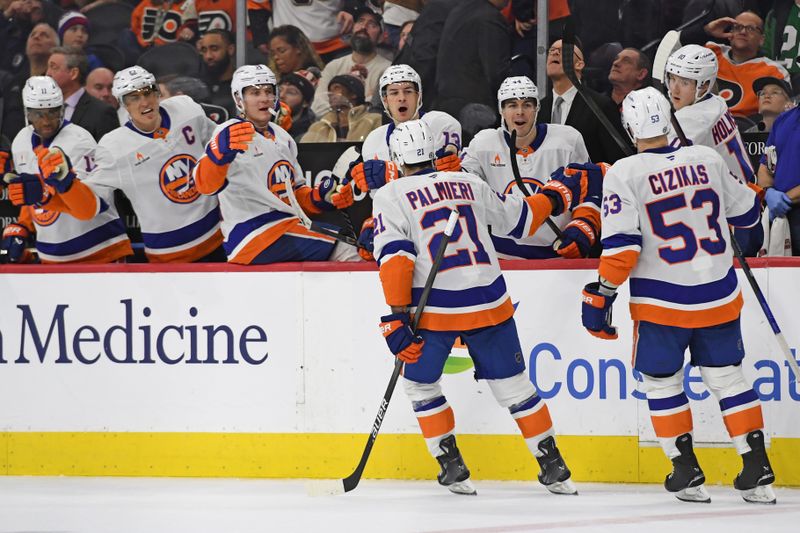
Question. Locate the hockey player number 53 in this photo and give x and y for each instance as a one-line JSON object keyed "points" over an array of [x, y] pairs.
{"points": [[679, 230], [462, 256]]}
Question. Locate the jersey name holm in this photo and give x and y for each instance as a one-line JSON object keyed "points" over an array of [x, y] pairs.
{"points": [[673, 179], [724, 128], [443, 190]]}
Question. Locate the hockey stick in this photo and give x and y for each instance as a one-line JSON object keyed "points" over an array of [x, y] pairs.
{"points": [[568, 64], [512, 153], [669, 44], [340, 486]]}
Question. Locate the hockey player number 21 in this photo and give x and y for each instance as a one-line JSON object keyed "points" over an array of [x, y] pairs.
{"points": [[462, 256], [679, 230]]}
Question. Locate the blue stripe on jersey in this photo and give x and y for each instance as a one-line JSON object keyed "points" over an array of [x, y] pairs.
{"points": [[510, 247], [421, 407], [740, 399], [748, 219], [621, 240], [179, 236], [91, 238], [243, 229], [684, 294], [530, 403], [520, 227], [663, 404], [393, 247], [463, 297]]}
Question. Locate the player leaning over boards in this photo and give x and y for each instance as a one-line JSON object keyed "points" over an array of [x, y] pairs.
{"points": [[468, 298], [665, 212], [61, 237], [150, 158], [247, 165], [540, 150]]}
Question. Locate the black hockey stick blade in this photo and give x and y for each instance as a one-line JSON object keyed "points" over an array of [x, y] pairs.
{"points": [[568, 64], [339, 235], [332, 487]]}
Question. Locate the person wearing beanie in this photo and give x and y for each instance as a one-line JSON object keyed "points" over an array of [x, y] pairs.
{"points": [[296, 91], [73, 30], [349, 118]]}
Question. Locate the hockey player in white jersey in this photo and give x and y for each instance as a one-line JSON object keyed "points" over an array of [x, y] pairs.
{"points": [[251, 166], [705, 118], [468, 298], [61, 235], [150, 158], [540, 150], [665, 217]]}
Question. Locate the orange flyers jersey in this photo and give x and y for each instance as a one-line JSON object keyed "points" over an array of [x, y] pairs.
{"points": [[152, 24], [255, 212], [665, 216], [555, 146], [410, 215], [221, 14], [60, 237], [317, 18], [710, 123], [155, 173], [735, 80], [445, 129]]}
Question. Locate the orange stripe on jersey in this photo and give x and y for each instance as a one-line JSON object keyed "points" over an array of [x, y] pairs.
{"points": [[635, 342], [396, 277], [303, 195], [438, 424], [208, 177], [190, 254], [535, 423], [760, 192], [541, 207], [331, 45], [466, 321], [592, 215], [673, 425], [262, 241], [744, 422], [616, 268], [688, 319], [79, 201], [110, 254]]}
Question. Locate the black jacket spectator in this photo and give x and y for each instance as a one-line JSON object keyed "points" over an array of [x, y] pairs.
{"points": [[96, 117], [474, 56]]}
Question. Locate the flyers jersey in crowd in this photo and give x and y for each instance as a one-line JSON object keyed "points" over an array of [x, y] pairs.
{"points": [[410, 215], [665, 216], [444, 128], [488, 157], [155, 172], [60, 237], [317, 19], [154, 25], [221, 14]]}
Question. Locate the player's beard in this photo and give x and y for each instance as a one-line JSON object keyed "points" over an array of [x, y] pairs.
{"points": [[361, 43], [218, 69]]}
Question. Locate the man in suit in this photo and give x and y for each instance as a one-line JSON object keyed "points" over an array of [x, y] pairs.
{"points": [[69, 67], [565, 106]]}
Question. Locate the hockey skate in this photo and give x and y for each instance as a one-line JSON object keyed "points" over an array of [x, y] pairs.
{"points": [[554, 475], [755, 480], [687, 478], [454, 474]]}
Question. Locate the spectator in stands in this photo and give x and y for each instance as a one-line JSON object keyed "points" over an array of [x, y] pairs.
{"points": [[405, 31], [18, 20], [73, 30], [774, 97], [175, 85], [349, 118], [631, 70], [323, 22], [153, 27], [218, 49], [297, 92], [98, 84], [363, 61], [780, 37], [741, 62], [42, 39], [290, 50], [565, 106], [474, 55], [395, 20], [69, 67]]}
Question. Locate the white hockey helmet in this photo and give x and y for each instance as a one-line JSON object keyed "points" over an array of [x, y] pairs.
{"points": [[399, 74], [697, 63], [516, 88], [41, 92], [248, 76], [131, 79], [645, 114], [412, 144]]}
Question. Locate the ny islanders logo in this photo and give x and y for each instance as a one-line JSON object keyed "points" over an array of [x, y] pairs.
{"points": [[532, 183], [176, 179], [281, 173], [43, 217]]}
